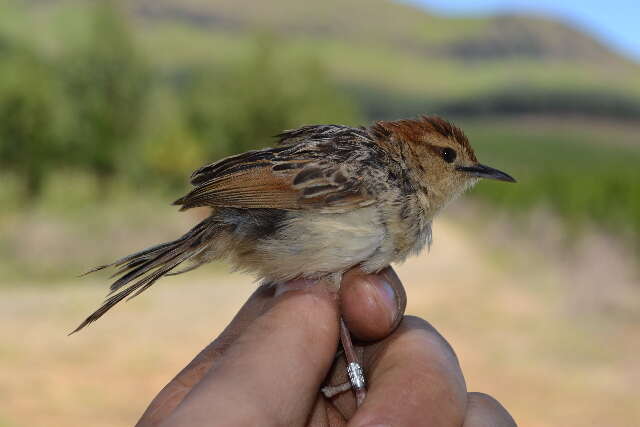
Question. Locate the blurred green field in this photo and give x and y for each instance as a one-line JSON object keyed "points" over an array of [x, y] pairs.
{"points": [[585, 174]]}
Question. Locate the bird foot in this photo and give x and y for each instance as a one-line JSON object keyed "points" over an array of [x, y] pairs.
{"points": [[330, 391]]}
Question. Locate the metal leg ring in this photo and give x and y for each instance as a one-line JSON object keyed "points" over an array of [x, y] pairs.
{"points": [[354, 370]]}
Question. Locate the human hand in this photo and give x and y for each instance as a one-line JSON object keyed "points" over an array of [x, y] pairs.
{"points": [[268, 365]]}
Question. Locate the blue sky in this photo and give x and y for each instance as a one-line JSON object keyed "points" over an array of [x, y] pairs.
{"points": [[616, 22]]}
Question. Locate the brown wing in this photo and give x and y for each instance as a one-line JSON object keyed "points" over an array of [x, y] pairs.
{"points": [[336, 133], [312, 174]]}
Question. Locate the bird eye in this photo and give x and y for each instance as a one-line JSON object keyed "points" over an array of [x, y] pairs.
{"points": [[448, 155]]}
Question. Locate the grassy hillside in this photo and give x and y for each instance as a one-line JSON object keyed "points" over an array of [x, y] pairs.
{"points": [[384, 22], [380, 49]]}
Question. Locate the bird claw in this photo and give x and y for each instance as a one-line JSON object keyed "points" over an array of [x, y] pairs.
{"points": [[330, 391]]}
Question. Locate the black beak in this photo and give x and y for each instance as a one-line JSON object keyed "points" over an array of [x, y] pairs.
{"points": [[482, 171]]}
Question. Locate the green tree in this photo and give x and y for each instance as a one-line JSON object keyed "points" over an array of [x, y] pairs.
{"points": [[31, 119], [240, 108], [169, 149], [108, 82]]}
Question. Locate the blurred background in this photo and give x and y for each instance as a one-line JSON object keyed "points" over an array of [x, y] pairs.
{"points": [[106, 107]]}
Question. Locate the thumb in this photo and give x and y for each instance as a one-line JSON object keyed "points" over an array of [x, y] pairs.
{"points": [[372, 305]]}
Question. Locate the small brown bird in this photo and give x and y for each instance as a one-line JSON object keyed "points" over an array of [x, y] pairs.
{"points": [[326, 199]]}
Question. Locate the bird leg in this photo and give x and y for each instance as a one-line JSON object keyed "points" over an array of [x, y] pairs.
{"points": [[354, 370], [355, 374]]}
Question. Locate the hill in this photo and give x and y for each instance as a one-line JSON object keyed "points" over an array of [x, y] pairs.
{"points": [[391, 24], [395, 58]]}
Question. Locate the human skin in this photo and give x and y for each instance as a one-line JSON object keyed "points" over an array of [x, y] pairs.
{"points": [[267, 367]]}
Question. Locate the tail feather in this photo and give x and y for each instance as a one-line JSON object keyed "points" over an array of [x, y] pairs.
{"points": [[130, 265], [165, 271], [186, 269], [138, 269], [144, 268], [138, 255]]}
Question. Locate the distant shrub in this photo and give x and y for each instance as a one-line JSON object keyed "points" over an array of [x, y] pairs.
{"points": [[169, 149], [107, 82], [584, 179], [32, 119]]}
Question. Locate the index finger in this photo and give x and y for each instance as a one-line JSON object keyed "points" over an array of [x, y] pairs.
{"points": [[174, 392], [271, 373], [414, 379]]}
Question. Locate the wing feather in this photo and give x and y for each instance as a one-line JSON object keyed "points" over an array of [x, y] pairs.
{"points": [[313, 172]]}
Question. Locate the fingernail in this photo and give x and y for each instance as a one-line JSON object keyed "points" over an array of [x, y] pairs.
{"points": [[399, 294], [293, 285], [388, 298]]}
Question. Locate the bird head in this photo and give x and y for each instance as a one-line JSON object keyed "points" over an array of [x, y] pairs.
{"points": [[439, 157]]}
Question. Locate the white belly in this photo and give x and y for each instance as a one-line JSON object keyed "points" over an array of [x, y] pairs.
{"points": [[316, 244]]}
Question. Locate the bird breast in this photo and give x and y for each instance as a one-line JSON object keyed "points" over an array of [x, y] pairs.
{"points": [[316, 245]]}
